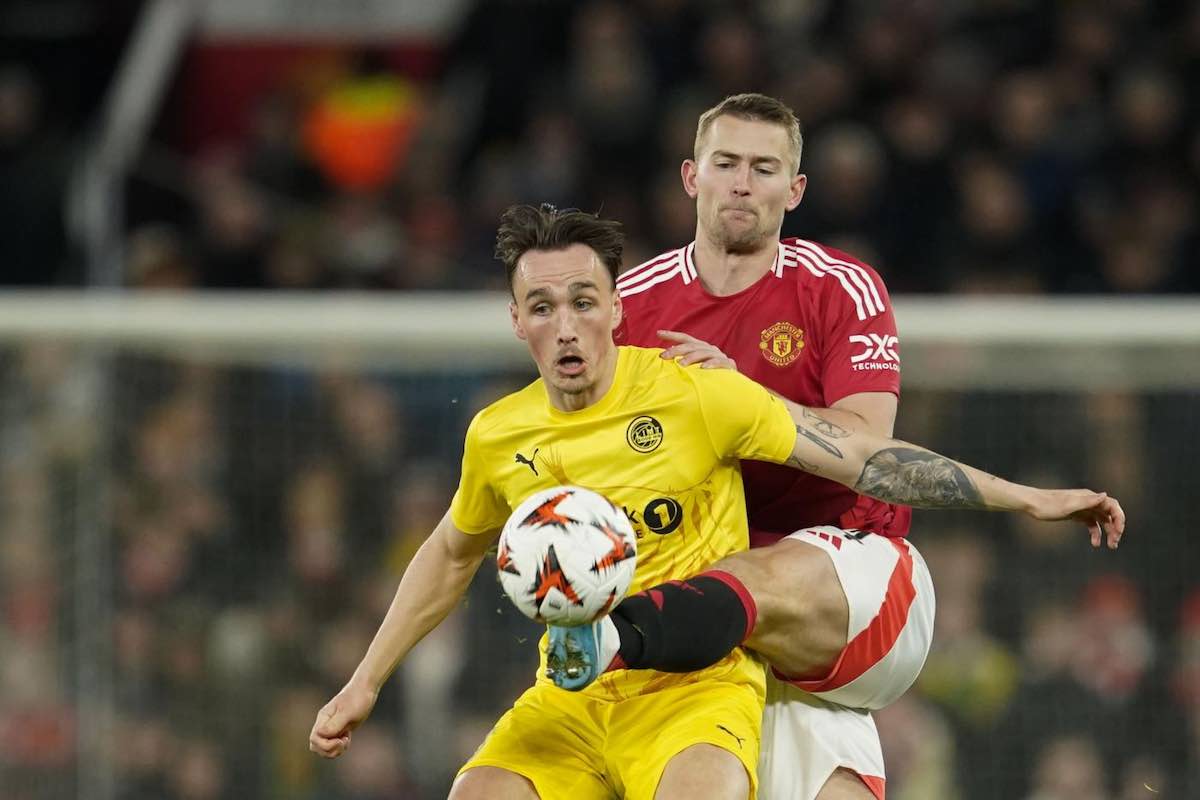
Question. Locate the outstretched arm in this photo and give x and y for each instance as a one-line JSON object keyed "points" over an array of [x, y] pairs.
{"points": [[848, 443], [432, 585], [899, 472]]}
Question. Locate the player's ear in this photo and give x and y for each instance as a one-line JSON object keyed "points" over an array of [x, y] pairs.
{"points": [[797, 194], [688, 171], [618, 311], [518, 328]]}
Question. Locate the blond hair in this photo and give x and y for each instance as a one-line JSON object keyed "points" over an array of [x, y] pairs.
{"points": [[754, 107]]}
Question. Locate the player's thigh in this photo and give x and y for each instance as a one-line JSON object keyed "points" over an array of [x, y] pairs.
{"points": [[704, 771], [892, 607], [492, 783], [845, 784], [803, 614], [649, 732], [891, 603], [551, 739]]}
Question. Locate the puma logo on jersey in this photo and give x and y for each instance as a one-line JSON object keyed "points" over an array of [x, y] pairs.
{"points": [[734, 735], [520, 459]]}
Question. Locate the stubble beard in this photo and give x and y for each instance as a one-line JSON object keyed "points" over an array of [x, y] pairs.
{"points": [[574, 386], [741, 242], [577, 389]]}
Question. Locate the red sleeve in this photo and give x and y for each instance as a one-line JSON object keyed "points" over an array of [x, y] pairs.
{"points": [[861, 351], [634, 320], [621, 332]]}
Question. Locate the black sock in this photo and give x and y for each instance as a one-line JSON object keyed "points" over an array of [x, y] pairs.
{"points": [[684, 626]]}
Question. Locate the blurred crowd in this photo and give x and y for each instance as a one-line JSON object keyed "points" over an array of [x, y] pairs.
{"points": [[975, 146], [262, 516], [260, 522]]}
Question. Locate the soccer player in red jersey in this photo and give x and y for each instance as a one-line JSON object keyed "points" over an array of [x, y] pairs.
{"points": [[834, 596]]}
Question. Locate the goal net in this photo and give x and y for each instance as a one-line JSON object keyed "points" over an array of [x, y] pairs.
{"points": [[207, 502]]}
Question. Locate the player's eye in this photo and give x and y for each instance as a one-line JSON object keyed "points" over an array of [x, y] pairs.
{"points": [[541, 308], [583, 304], [724, 164], [765, 171]]}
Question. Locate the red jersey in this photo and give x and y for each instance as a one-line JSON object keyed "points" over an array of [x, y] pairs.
{"points": [[816, 328]]}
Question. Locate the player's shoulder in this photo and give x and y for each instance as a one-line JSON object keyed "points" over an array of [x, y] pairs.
{"points": [[499, 415], [668, 375], [818, 261], [649, 375], [645, 366], [664, 272], [834, 274]]}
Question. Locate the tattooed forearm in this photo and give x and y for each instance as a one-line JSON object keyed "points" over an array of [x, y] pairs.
{"points": [[819, 441], [804, 465], [824, 426], [918, 478]]}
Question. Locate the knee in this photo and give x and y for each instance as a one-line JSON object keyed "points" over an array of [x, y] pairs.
{"points": [[492, 783], [756, 570], [792, 582], [704, 770]]}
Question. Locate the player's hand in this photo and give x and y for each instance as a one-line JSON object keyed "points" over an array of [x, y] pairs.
{"points": [[346, 711], [690, 350], [1103, 515]]}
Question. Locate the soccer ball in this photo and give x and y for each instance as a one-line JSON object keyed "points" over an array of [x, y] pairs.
{"points": [[566, 556]]}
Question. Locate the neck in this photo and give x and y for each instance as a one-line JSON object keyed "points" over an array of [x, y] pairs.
{"points": [[724, 273], [606, 371]]}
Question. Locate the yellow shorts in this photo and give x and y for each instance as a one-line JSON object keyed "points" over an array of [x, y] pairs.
{"points": [[574, 747]]}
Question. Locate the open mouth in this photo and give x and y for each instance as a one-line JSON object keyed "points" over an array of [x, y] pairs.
{"points": [[570, 365]]}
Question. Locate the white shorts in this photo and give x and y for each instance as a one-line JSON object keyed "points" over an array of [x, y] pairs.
{"points": [[812, 727]]}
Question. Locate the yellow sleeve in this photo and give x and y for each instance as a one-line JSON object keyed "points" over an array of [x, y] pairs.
{"points": [[744, 420], [476, 507]]}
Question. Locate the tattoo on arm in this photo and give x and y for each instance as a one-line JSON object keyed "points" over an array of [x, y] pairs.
{"points": [[819, 441], [804, 465], [824, 426], [918, 478]]}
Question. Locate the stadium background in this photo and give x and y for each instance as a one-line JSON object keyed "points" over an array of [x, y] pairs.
{"points": [[187, 576]]}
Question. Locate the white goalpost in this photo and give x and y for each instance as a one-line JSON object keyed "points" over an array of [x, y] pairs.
{"points": [[1021, 342]]}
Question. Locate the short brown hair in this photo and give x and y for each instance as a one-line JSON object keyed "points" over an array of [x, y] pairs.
{"points": [[525, 228], [755, 107]]}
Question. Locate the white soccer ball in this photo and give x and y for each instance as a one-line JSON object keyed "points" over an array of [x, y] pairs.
{"points": [[566, 556]]}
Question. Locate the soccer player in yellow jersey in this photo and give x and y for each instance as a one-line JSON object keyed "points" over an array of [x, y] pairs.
{"points": [[660, 439]]}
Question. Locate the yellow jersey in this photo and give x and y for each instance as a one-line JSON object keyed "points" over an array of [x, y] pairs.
{"points": [[664, 443]]}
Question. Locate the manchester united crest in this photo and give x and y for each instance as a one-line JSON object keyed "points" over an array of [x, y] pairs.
{"points": [[781, 343]]}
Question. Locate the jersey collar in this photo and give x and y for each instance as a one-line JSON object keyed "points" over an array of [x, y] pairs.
{"points": [[689, 263]]}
